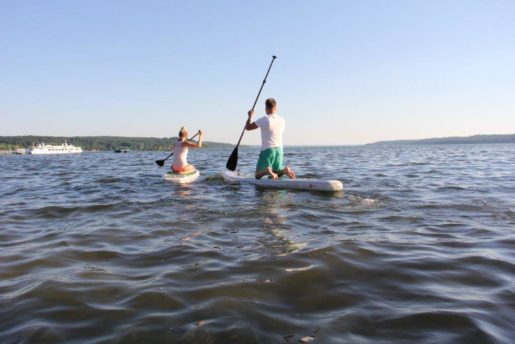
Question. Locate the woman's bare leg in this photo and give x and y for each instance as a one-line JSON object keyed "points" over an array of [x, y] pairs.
{"points": [[188, 169]]}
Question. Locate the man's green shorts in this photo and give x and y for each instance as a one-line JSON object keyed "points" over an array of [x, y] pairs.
{"points": [[271, 157]]}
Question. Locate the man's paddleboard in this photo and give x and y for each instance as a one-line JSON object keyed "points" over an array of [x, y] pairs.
{"points": [[181, 178], [285, 183]]}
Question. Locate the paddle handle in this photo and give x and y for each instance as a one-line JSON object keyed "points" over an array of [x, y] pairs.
{"points": [[257, 97], [191, 138]]}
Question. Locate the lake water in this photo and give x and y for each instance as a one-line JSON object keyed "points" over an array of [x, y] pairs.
{"points": [[419, 248]]}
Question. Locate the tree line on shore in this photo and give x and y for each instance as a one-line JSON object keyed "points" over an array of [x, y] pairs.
{"points": [[475, 139], [98, 143]]}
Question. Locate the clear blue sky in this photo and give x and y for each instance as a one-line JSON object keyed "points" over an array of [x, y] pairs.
{"points": [[348, 72]]}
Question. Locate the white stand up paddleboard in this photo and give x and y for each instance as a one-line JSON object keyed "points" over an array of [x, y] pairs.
{"points": [[181, 178], [285, 182]]}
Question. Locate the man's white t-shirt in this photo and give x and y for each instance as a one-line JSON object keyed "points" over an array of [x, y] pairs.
{"points": [[272, 128]]}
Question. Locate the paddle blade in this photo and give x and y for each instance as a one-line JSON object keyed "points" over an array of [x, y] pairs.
{"points": [[160, 162], [233, 160]]}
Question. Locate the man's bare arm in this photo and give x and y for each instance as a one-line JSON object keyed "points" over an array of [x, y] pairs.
{"points": [[250, 125]]}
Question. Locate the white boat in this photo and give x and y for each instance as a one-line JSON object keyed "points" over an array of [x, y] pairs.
{"points": [[181, 178], [51, 149], [285, 182], [21, 151]]}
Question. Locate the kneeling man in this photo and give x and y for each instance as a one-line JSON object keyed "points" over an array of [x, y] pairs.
{"points": [[271, 157]]}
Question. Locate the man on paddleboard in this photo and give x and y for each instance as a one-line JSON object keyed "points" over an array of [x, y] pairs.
{"points": [[271, 157]]}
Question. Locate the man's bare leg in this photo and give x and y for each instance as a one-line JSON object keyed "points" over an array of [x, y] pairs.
{"points": [[267, 171], [289, 172]]}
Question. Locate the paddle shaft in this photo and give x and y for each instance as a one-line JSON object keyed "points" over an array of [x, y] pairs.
{"points": [[191, 138], [259, 93]]}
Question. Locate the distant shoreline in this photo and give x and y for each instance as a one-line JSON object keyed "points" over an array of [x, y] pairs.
{"points": [[474, 139], [99, 143], [9, 144]]}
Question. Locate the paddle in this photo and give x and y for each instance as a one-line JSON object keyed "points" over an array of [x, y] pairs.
{"points": [[162, 161], [233, 159]]}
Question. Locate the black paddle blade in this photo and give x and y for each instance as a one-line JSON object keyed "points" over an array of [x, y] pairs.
{"points": [[233, 160], [160, 162]]}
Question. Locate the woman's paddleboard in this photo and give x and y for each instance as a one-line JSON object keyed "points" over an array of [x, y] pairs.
{"points": [[181, 178], [285, 183]]}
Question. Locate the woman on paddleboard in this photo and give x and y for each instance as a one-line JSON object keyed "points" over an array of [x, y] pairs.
{"points": [[180, 150], [271, 157]]}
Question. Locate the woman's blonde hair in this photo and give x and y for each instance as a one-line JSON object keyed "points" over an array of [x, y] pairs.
{"points": [[182, 132]]}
